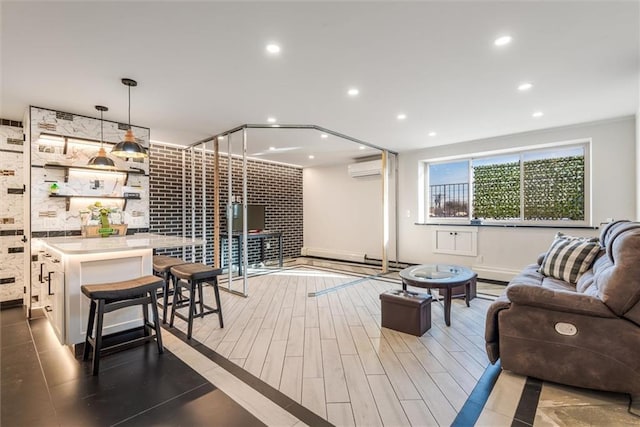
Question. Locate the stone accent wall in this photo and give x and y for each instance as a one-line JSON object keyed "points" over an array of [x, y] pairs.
{"points": [[12, 249], [50, 216], [278, 187]]}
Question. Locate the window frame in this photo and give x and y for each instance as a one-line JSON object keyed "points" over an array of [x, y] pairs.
{"points": [[424, 197]]}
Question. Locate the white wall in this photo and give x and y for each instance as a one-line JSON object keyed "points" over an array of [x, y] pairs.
{"points": [[342, 215], [504, 251], [638, 153], [638, 163]]}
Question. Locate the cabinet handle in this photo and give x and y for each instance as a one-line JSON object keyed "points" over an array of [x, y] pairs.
{"points": [[48, 308], [40, 277], [49, 280], [450, 234]]}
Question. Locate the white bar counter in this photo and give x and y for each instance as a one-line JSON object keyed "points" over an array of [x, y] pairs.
{"points": [[81, 245], [75, 261]]}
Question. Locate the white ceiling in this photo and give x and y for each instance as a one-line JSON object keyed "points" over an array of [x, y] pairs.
{"points": [[202, 67]]}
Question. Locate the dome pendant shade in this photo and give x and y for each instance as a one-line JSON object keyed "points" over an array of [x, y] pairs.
{"points": [[128, 147], [101, 161]]}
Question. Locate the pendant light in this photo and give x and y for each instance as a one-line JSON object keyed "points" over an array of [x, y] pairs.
{"points": [[129, 147], [101, 161]]}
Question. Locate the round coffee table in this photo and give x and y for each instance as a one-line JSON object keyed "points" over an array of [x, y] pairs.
{"points": [[440, 276]]}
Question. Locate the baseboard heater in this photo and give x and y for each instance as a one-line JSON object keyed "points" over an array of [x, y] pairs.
{"points": [[333, 254], [494, 273]]}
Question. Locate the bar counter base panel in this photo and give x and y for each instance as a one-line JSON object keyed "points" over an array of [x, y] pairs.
{"points": [[83, 262]]}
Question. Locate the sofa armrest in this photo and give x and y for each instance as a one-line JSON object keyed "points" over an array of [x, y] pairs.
{"points": [[558, 300], [491, 335]]}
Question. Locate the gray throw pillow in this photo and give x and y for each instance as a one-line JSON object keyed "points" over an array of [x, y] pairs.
{"points": [[569, 257]]}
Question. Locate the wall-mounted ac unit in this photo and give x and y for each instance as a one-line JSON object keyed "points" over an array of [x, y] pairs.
{"points": [[370, 168]]}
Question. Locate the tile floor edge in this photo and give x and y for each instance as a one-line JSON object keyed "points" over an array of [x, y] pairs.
{"points": [[528, 404], [472, 408]]}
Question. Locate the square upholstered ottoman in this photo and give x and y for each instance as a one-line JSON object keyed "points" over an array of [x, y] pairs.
{"points": [[408, 312]]}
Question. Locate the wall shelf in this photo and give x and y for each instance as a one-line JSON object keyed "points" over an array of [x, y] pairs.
{"points": [[65, 140], [68, 198], [66, 169]]}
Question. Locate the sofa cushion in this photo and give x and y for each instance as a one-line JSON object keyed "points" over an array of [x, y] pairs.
{"points": [[532, 277], [569, 257], [586, 283]]}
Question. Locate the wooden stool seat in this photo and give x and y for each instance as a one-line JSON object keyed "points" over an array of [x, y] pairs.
{"points": [[191, 277], [108, 297], [195, 271], [162, 268], [122, 290], [162, 263]]}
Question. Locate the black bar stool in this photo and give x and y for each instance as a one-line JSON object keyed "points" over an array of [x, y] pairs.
{"points": [[191, 277], [108, 297], [162, 268]]}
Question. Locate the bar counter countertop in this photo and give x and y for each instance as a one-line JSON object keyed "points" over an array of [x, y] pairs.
{"points": [[76, 245]]}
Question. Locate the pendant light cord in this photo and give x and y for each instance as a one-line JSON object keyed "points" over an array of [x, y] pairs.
{"points": [[101, 129], [129, 107]]}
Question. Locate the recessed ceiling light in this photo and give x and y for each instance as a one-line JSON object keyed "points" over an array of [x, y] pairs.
{"points": [[353, 92], [273, 48], [432, 134], [272, 148], [324, 135], [502, 41], [271, 119], [362, 147], [402, 116], [525, 86], [311, 156], [537, 114]]}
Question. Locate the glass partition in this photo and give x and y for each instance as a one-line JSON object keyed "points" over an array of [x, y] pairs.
{"points": [[245, 195]]}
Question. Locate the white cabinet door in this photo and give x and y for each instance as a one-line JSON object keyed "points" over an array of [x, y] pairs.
{"points": [[445, 240], [464, 241], [53, 294], [57, 303], [456, 241]]}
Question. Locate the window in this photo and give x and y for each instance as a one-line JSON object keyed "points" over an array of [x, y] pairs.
{"points": [[449, 190], [554, 185], [547, 185], [496, 187]]}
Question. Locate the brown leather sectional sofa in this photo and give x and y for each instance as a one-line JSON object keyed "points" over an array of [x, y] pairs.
{"points": [[586, 335]]}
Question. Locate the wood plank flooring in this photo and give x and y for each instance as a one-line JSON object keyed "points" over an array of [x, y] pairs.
{"points": [[330, 354]]}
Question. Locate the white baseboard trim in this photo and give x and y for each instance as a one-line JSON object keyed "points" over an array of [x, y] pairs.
{"points": [[333, 254], [494, 273]]}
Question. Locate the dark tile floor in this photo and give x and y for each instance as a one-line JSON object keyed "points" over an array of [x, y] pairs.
{"points": [[43, 384]]}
